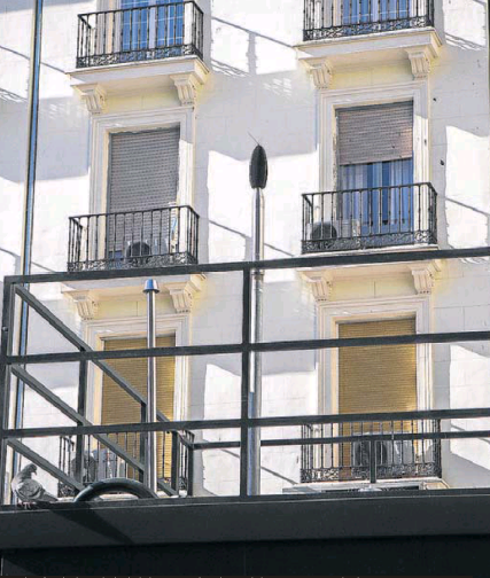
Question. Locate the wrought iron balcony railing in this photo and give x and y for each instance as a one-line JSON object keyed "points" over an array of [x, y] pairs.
{"points": [[338, 18], [122, 455], [361, 458], [369, 218], [142, 33], [126, 240]]}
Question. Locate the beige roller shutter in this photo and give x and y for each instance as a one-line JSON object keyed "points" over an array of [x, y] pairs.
{"points": [[375, 379], [369, 134], [118, 407]]}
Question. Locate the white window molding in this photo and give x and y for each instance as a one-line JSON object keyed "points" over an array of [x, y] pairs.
{"points": [[96, 331], [331, 100], [331, 314], [105, 125]]}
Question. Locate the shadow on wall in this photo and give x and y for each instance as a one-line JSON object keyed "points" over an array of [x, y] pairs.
{"points": [[61, 153], [462, 197]]}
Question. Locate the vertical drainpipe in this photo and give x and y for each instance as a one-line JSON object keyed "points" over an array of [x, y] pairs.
{"points": [[29, 195]]}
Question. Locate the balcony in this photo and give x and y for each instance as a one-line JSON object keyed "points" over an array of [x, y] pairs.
{"points": [[124, 51], [336, 19], [122, 455], [136, 34], [128, 240], [354, 34], [361, 458], [369, 218]]}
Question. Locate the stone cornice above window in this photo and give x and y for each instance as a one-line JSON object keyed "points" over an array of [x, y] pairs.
{"points": [[323, 58], [87, 296], [96, 85], [322, 281]]}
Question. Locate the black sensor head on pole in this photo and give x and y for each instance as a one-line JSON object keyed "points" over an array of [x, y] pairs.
{"points": [[258, 168]]}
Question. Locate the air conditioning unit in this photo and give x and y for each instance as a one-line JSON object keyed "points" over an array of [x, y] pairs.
{"points": [[137, 249], [108, 464], [323, 232], [89, 468], [348, 228], [388, 453]]}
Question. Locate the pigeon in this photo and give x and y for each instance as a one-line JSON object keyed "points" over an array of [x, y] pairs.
{"points": [[29, 492]]}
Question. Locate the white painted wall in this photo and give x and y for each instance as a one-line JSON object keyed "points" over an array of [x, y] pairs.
{"points": [[257, 86]]}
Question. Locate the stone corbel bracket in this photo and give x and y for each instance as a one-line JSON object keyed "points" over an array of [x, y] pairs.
{"points": [[421, 60], [320, 70], [183, 292], [94, 97], [188, 84], [86, 303], [424, 276], [320, 283]]}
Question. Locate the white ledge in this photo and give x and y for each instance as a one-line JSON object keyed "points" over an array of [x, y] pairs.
{"points": [[88, 295], [96, 84], [416, 46], [321, 280]]}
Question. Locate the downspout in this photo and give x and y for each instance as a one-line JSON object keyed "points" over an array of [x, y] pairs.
{"points": [[29, 196]]}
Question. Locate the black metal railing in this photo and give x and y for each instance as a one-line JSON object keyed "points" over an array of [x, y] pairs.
{"points": [[365, 459], [142, 33], [122, 455], [369, 218], [126, 240], [337, 18]]}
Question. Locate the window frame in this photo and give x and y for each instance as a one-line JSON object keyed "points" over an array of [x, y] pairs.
{"points": [[330, 315], [96, 331], [331, 100], [134, 121]]}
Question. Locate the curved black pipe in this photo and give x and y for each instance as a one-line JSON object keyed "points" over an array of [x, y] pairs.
{"points": [[113, 485]]}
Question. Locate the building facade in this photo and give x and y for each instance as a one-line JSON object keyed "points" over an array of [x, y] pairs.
{"points": [[375, 118]]}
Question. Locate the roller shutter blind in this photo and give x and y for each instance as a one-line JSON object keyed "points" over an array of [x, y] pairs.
{"points": [[143, 170], [378, 378], [370, 134], [375, 379], [118, 407]]}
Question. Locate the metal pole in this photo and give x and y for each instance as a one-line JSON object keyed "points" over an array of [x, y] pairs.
{"points": [[255, 395], [151, 474], [29, 197]]}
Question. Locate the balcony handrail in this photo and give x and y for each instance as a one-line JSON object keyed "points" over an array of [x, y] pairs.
{"points": [[148, 7], [369, 217], [153, 32], [380, 188], [138, 211], [119, 239], [332, 19]]}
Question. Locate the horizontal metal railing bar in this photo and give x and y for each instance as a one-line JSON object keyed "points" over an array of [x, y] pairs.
{"points": [[137, 212], [364, 258], [333, 440], [190, 425], [359, 189], [265, 347], [375, 437], [150, 6]]}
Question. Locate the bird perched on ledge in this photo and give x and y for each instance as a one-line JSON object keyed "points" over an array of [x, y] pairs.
{"points": [[30, 492]]}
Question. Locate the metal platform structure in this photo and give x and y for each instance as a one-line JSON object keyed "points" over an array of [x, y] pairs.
{"points": [[17, 366]]}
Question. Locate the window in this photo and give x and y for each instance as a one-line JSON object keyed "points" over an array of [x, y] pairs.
{"points": [[375, 165], [143, 176], [118, 407], [377, 379], [365, 11], [154, 27]]}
